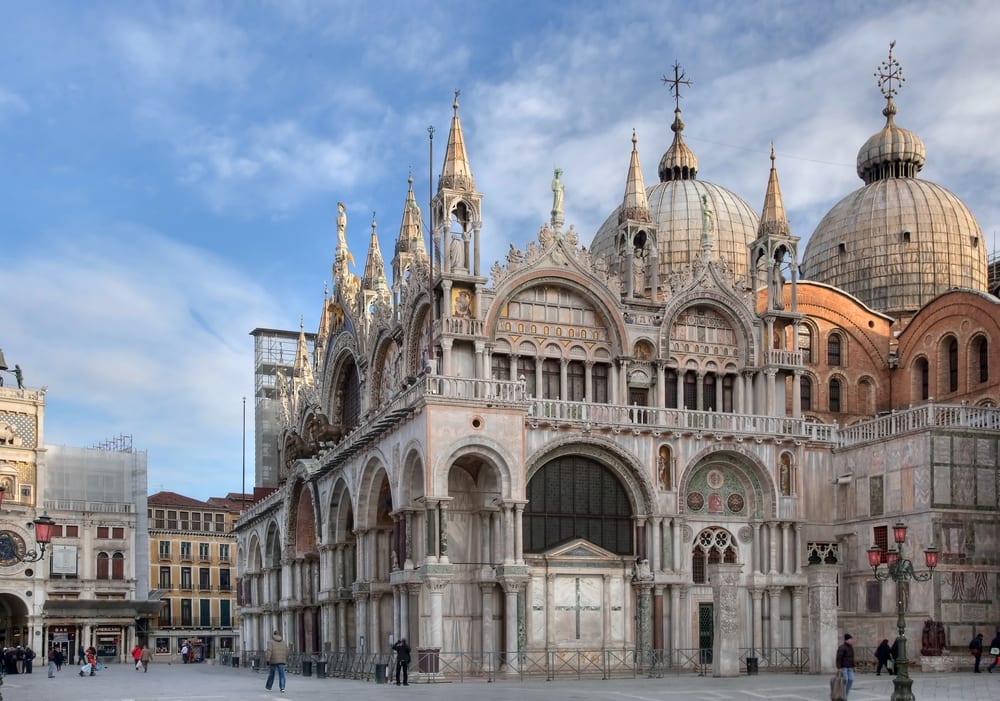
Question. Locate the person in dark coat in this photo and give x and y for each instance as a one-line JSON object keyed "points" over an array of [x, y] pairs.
{"points": [[894, 651], [29, 659], [994, 645], [883, 653], [976, 648], [845, 662], [402, 649]]}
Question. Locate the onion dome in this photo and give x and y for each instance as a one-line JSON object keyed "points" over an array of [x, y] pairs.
{"points": [[899, 241]]}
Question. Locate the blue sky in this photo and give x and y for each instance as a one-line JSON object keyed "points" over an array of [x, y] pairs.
{"points": [[171, 170]]}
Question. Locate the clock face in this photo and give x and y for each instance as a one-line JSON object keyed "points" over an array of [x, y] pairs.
{"points": [[11, 548]]}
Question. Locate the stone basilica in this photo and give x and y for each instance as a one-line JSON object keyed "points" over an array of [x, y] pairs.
{"points": [[677, 443]]}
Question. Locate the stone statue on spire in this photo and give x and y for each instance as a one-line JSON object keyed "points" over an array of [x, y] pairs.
{"points": [[557, 200]]}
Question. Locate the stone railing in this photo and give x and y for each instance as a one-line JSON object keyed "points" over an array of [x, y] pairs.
{"points": [[919, 419], [783, 357]]}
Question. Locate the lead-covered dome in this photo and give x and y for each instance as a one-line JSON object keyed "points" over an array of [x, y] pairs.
{"points": [[675, 208], [899, 241]]}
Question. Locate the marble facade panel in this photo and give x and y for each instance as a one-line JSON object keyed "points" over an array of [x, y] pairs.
{"points": [[942, 485], [941, 449], [986, 452], [536, 629], [964, 450], [986, 487], [617, 599], [964, 486]]}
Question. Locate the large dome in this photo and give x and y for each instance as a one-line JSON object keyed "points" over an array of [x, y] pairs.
{"points": [[899, 241], [675, 207]]}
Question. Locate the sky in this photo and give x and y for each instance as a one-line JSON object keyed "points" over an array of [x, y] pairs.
{"points": [[169, 172]]}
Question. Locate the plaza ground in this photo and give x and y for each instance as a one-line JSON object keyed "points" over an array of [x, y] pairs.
{"points": [[212, 683]]}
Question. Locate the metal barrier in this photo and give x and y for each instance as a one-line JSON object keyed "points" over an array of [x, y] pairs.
{"points": [[545, 663]]}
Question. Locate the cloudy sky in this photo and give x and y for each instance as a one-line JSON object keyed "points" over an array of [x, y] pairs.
{"points": [[170, 171]]}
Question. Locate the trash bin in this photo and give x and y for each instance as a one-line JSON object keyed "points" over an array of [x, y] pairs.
{"points": [[321, 669], [751, 666], [307, 668], [381, 673]]}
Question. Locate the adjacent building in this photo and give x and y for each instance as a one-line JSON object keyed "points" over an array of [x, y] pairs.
{"points": [[192, 564], [678, 441]]}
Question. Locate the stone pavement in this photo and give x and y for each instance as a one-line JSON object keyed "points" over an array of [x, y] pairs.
{"points": [[204, 682]]}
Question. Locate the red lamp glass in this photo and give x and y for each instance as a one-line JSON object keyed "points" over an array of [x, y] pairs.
{"points": [[43, 528], [899, 532], [874, 556], [931, 557], [891, 556]]}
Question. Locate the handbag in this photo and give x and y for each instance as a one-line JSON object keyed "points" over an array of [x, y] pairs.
{"points": [[995, 650], [890, 664], [837, 688]]}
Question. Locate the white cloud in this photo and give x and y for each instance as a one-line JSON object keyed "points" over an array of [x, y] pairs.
{"points": [[136, 333], [11, 104]]}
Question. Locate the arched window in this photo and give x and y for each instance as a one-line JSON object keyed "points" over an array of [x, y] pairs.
{"points": [[690, 390], [834, 395], [599, 383], [576, 497], [806, 344], [102, 565], [981, 352], [921, 379], [805, 394], [952, 365], [712, 546], [118, 566], [833, 355], [709, 392], [670, 389]]}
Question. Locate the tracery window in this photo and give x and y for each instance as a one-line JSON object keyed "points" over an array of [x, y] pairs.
{"points": [[712, 546]]}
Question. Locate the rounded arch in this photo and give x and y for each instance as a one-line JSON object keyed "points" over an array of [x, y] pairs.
{"points": [[412, 475], [836, 347], [373, 488], [706, 324], [272, 546], [743, 473], [978, 353], [483, 448], [711, 546], [341, 528], [867, 395]]}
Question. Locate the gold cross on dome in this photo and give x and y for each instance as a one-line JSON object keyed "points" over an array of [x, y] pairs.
{"points": [[679, 79], [890, 71]]}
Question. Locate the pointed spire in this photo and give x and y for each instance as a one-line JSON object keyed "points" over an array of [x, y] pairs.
{"points": [[635, 206], [773, 221], [374, 277], [411, 234], [324, 317], [303, 366], [456, 173]]}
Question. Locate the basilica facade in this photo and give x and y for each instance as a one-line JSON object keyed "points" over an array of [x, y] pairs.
{"points": [[676, 440]]}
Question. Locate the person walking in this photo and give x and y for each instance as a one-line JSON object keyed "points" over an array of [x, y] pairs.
{"points": [[82, 656], [137, 656], [60, 658], [976, 648], [52, 661], [894, 651], [276, 659], [994, 651], [145, 657], [29, 659], [845, 662], [402, 649], [883, 653]]}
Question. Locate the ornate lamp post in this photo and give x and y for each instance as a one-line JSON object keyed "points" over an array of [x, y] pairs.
{"points": [[13, 550], [901, 570]]}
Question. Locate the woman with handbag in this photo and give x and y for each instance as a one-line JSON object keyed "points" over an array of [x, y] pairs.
{"points": [[995, 651]]}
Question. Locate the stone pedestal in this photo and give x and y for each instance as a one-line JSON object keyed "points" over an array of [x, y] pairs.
{"points": [[725, 579], [822, 636]]}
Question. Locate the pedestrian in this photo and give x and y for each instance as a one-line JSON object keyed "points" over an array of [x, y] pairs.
{"points": [[976, 648], [145, 657], [19, 659], [883, 654], [845, 662], [137, 656], [92, 659], [402, 649], [82, 656], [894, 651], [52, 661], [276, 657], [29, 659], [185, 651], [60, 658], [994, 651]]}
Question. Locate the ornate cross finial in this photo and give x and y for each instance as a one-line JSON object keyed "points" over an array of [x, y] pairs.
{"points": [[889, 72], [679, 79], [455, 103]]}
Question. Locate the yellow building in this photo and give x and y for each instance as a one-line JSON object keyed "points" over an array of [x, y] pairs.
{"points": [[192, 570]]}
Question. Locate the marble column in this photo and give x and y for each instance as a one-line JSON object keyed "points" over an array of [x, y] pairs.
{"points": [[675, 622], [511, 623], [643, 614], [656, 563], [797, 593], [823, 639], [435, 624], [774, 609], [757, 621], [786, 548], [518, 533], [489, 662], [550, 610], [725, 579]]}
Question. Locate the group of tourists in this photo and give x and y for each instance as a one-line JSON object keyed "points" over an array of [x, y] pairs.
{"points": [[18, 659], [976, 648]]}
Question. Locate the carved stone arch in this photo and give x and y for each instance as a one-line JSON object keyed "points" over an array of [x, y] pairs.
{"points": [[412, 475], [597, 295], [341, 519], [374, 488], [273, 545], [627, 468], [302, 517], [495, 454], [344, 387], [416, 326], [735, 461], [387, 371], [739, 320]]}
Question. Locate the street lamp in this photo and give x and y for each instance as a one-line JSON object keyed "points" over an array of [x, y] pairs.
{"points": [[13, 550], [899, 569]]}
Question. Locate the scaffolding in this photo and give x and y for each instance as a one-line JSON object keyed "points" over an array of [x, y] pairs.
{"points": [[274, 352]]}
